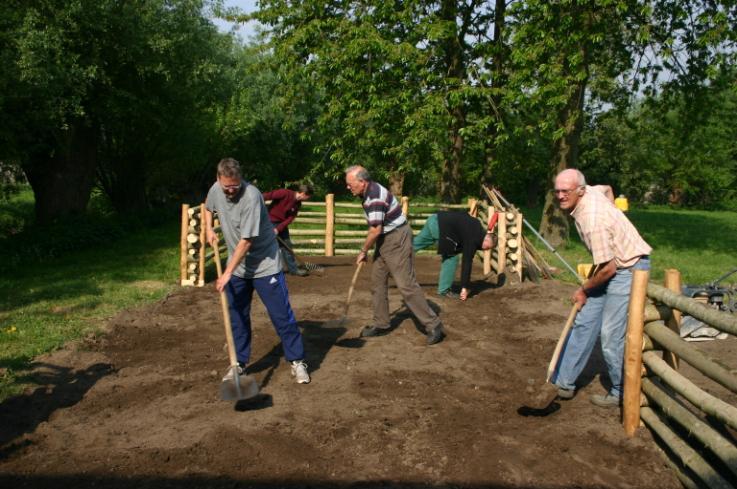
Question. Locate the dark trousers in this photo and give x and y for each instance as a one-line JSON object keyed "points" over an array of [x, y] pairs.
{"points": [[274, 294]]}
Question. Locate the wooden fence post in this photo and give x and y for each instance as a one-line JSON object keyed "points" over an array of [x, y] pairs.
{"points": [[183, 244], [673, 283], [405, 206], [633, 352], [329, 224], [520, 245], [473, 207], [203, 242], [501, 246]]}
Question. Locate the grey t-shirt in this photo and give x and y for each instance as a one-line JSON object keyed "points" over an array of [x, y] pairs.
{"points": [[246, 217]]}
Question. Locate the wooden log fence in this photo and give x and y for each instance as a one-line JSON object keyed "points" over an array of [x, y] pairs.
{"points": [[332, 228], [326, 228], [514, 252], [697, 428]]}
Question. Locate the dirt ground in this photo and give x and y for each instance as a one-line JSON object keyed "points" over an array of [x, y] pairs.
{"points": [[139, 406]]}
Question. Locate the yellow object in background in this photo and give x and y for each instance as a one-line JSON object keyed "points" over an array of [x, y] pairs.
{"points": [[622, 203], [584, 269]]}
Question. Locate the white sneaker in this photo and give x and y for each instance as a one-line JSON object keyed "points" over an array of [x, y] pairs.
{"points": [[229, 375], [299, 370]]}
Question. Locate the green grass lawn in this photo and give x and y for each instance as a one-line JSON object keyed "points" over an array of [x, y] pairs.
{"points": [[702, 245], [44, 305]]}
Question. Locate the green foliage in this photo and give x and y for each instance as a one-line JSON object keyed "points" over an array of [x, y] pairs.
{"points": [[24, 242], [141, 99], [16, 212], [662, 152], [123, 91]]}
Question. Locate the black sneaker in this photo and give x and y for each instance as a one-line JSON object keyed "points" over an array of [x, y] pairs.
{"points": [[449, 294], [436, 335], [369, 331]]}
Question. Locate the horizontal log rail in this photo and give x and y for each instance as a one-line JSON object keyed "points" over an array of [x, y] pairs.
{"points": [[357, 221], [308, 232], [711, 405], [707, 366], [697, 428], [715, 318], [309, 241], [314, 251], [688, 456]]}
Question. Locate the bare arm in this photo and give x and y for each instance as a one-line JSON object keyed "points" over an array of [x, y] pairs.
{"points": [[373, 234], [606, 190], [238, 255], [604, 272], [211, 235]]}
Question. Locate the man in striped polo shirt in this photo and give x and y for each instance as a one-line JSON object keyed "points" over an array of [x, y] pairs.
{"points": [[391, 237], [616, 249]]}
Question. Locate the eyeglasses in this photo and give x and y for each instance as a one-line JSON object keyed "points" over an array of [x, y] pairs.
{"points": [[231, 187], [564, 191]]}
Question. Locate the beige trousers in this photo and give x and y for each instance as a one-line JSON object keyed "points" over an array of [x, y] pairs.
{"points": [[393, 256]]}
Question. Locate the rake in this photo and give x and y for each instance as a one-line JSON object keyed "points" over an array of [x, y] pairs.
{"points": [[310, 267]]}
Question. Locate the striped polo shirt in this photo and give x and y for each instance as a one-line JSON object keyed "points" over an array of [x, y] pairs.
{"points": [[382, 208], [606, 231]]}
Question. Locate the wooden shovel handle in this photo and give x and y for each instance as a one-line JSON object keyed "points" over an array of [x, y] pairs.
{"points": [[353, 285], [561, 340], [564, 334], [226, 312]]}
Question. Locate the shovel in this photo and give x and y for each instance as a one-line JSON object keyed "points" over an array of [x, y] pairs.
{"points": [[238, 387], [548, 392], [350, 292]]}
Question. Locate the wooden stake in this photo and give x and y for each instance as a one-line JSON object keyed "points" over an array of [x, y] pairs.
{"points": [[473, 207], [673, 282], [202, 246], [405, 206], [183, 244], [633, 352], [521, 249], [329, 224], [501, 245]]}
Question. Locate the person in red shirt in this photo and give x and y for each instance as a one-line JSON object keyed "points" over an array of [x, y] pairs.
{"points": [[284, 207]]}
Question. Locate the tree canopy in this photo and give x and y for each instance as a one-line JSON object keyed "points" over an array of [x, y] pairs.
{"points": [[141, 99]]}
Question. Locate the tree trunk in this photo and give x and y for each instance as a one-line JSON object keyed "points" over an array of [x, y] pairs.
{"points": [[62, 177], [450, 184], [128, 191], [555, 226], [498, 81], [396, 182]]}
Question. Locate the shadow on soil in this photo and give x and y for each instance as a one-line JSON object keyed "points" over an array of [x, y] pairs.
{"points": [[81, 482], [61, 388]]}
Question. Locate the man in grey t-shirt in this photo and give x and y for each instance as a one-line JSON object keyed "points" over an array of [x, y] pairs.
{"points": [[253, 264]]}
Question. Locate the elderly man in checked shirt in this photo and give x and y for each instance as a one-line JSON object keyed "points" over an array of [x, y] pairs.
{"points": [[616, 249], [391, 236]]}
